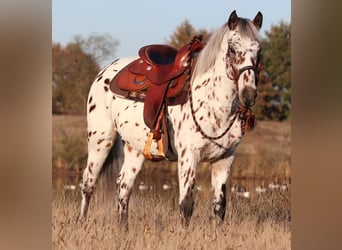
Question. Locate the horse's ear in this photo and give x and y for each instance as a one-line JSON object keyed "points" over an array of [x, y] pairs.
{"points": [[258, 20], [233, 20]]}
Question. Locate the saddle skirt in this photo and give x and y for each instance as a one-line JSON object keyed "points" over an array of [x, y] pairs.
{"points": [[161, 75], [135, 85]]}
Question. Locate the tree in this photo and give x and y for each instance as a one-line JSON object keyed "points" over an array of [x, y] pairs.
{"points": [[73, 71], [274, 101], [99, 47], [184, 33], [74, 68]]}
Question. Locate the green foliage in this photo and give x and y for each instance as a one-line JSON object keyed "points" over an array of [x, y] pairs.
{"points": [[72, 73], [274, 101], [100, 47], [70, 151], [184, 33], [74, 67]]}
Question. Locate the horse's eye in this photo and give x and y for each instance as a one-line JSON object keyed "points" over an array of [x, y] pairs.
{"points": [[259, 55], [232, 51]]}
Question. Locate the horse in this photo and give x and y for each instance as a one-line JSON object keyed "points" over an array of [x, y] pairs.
{"points": [[207, 127]]}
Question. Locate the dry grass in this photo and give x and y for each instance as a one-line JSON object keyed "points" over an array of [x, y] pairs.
{"points": [[69, 142], [264, 152], [261, 222], [258, 223]]}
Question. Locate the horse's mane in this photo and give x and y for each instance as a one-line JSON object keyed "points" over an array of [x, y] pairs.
{"points": [[207, 56]]}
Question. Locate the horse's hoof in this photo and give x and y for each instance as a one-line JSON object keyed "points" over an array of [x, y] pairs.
{"points": [[80, 220]]}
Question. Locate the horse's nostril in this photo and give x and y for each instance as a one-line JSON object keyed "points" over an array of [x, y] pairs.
{"points": [[248, 96]]}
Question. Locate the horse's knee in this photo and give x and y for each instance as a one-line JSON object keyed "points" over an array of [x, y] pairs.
{"points": [[88, 186]]}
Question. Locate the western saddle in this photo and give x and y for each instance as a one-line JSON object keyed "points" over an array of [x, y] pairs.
{"points": [[159, 77]]}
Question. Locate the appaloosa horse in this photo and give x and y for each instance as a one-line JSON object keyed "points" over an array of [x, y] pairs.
{"points": [[207, 127]]}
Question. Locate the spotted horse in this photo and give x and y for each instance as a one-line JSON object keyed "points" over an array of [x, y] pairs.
{"points": [[208, 126]]}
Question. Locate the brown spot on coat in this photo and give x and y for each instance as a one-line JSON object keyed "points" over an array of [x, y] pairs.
{"points": [[245, 78], [92, 108], [90, 99], [183, 152], [107, 81], [186, 180], [217, 120], [99, 141]]}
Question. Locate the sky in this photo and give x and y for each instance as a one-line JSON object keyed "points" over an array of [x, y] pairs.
{"points": [[138, 23]]}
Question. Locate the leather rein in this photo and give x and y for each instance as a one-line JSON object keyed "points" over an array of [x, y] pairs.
{"points": [[245, 114]]}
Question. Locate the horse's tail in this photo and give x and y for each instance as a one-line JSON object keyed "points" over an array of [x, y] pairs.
{"points": [[111, 168]]}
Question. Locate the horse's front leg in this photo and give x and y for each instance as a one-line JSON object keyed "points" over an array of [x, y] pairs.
{"points": [[133, 161], [219, 175], [187, 163]]}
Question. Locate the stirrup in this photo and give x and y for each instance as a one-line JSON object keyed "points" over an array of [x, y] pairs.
{"points": [[147, 152]]}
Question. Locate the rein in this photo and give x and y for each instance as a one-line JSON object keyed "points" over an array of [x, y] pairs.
{"points": [[245, 114]]}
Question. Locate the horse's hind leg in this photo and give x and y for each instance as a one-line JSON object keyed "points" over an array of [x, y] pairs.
{"points": [[100, 141], [133, 161], [219, 174]]}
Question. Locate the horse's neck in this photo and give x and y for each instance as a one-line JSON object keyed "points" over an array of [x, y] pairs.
{"points": [[213, 93]]}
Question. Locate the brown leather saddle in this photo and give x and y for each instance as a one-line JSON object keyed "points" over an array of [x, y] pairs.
{"points": [[159, 77]]}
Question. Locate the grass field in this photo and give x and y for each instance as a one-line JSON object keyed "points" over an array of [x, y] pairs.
{"points": [[263, 153], [261, 222]]}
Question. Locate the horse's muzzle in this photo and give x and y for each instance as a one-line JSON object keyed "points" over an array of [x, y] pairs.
{"points": [[248, 96]]}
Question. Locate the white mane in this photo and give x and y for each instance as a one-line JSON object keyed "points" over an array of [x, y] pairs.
{"points": [[207, 56]]}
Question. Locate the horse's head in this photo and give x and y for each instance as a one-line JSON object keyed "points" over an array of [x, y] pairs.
{"points": [[243, 56]]}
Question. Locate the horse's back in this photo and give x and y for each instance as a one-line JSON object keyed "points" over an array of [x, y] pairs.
{"points": [[100, 97]]}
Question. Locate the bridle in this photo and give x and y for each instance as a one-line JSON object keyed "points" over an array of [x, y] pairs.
{"points": [[237, 73], [245, 114], [255, 69]]}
